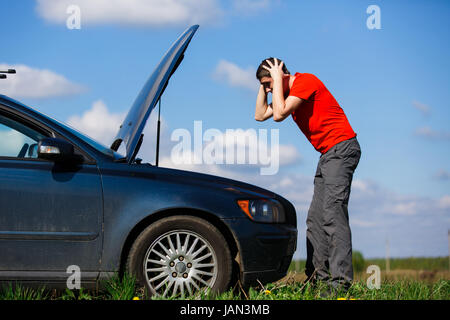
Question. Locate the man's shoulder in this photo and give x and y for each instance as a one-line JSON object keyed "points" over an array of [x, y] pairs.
{"points": [[305, 75], [305, 79], [304, 86]]}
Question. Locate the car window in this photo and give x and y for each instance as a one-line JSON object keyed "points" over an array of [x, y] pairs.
{"points": [[18, 140]]}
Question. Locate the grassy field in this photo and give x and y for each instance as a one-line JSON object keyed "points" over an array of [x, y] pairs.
{"points": [[408, 279], [422, 264], [427, 270]]}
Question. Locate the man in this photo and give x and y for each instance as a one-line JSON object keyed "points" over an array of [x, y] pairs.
{"points": [[322, 120]]}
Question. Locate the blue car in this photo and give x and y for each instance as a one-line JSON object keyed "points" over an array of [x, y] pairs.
{"points": [[66, 200]]}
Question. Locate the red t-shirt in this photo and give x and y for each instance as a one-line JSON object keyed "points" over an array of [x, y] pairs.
{"points": [[319, 117]]}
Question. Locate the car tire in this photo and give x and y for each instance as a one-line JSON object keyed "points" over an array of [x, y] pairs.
{"points": [[179, 256]]}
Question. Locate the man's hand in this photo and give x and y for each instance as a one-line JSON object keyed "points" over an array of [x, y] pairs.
{"points": [[276, 69], [282, 107]]}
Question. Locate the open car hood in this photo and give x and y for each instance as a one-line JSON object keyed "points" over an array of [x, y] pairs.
{"points": [[130, 131]]}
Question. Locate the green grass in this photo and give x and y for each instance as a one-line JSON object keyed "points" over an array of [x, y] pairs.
{"points": [[439, 263], [409, 279], [125, 289], [18, 292], [405, 290], [117, 288], [413, 263]]}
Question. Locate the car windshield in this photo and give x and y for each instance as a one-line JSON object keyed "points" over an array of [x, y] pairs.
{"points": [[93, 143]]}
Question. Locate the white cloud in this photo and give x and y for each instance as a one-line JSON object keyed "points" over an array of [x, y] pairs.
{"points": [[443, 175], [31, 82], [102, 125], [248, 7], [444, 202], [405, 208], [236, 76], [133, 12], [98, 122], [423, 108], [286, 182], [360, 185], [430, 133], [289, 155], [362, 223]]}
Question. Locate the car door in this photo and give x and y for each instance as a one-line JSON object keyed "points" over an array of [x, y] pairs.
{"points": [[50, 214]]}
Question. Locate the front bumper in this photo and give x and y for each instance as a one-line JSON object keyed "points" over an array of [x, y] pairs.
{"points": [[265, 250]]}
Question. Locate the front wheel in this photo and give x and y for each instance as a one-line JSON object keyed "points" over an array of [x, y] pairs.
{"points": [[180, 255]]}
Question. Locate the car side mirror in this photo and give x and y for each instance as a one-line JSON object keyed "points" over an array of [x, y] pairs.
{"points": [[55, 149]]}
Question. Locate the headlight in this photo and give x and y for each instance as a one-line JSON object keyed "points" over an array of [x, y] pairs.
{"points": [[262, 210]]}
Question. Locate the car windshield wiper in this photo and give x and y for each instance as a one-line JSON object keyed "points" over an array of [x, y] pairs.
{"points": [[137, 161], [120, 160]]}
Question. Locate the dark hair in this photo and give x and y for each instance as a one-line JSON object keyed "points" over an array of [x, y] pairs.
{"points": [[262, 72]]}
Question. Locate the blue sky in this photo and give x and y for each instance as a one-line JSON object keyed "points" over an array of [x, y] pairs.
{"points": [[392, 84]]}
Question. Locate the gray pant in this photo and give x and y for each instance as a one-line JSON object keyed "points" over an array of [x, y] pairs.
{"points": [[328, 237]]}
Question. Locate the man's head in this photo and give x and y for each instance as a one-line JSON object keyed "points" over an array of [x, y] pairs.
{"points": [[263, 75]]}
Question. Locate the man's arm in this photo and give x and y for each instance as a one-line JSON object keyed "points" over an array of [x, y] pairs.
{"points": [[262, 110], [282, 108]]}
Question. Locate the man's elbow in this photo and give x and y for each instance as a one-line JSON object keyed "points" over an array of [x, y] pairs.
{"points": [[259, 119], [278, 117]]}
